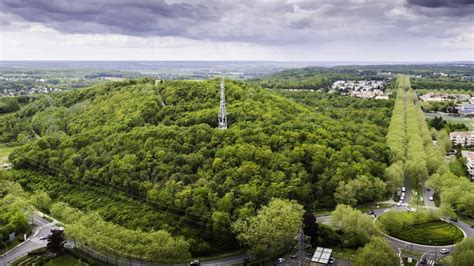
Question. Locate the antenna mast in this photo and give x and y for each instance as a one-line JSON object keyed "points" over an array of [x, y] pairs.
{"points": [[222, 117]]}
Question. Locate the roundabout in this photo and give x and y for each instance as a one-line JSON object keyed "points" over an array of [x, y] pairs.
{"points": [[419, 228]]}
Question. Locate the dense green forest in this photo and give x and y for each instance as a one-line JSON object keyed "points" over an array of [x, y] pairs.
{"points": [[135, 141]]}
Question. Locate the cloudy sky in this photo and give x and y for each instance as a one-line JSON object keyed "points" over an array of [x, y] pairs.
{"points": [[288, 30]]}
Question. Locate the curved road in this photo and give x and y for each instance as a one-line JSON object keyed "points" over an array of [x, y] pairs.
{"points": [[32, 243]]}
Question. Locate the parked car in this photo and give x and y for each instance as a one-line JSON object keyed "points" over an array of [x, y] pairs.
{"points": [[403, 194], [431, 198], [399, 203], [281, 260], [423, 261], [444, 251], [403, 189], [371, 212]]}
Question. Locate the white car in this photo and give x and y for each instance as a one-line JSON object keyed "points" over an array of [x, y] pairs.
{"points": [[399, 203], [403, 194], [444, 251], [403, 189], [281, 260], [431, 198]]}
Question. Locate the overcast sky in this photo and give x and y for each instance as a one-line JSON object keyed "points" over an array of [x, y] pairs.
{"points": [[288, 30]]}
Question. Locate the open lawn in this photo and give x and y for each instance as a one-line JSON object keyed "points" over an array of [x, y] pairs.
{"points": [[4, 152], [431, 233]]}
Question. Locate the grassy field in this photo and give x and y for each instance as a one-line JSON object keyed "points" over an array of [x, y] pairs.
{"points": [[64, 260], [4, 152], [469, 122], [431, 233]]}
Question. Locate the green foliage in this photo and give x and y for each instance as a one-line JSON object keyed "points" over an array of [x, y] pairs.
{"points": [[357, 228], [13, 217], [104, 145], [376, 252], [8, 105], [463, 254], [41, 200], [361, 189], [272, 229], [109, 238]]}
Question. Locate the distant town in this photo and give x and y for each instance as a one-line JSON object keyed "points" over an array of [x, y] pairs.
{"points": [[361, 88]]}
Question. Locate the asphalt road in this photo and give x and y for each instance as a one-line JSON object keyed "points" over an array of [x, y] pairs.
{"points": [[30, 244], [426, 197]]}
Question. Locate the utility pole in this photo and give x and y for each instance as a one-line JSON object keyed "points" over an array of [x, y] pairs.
{"points": [[300, 246], [222, 117]]}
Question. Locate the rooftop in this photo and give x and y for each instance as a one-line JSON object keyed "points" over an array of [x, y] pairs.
{"points": [[462, 133], [321, 255]]}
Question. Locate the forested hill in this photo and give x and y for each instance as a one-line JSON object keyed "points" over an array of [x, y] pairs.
{"points": [[159, 142]]}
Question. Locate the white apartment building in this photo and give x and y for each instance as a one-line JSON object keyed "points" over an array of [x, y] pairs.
{"points": [[470, 164], [463, 138]]}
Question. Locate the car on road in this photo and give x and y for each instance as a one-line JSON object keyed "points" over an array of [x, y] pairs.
{"points": [[444, 251], [281, 260], [428, 189], [431, 198], [403, 194], [454, 219], [195, 262], [409, 209], [371, 212], [423, 261], [399, 203], [403, 189], [402, 198], [331, 261]]}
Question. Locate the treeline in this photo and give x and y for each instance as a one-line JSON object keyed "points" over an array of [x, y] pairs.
{"points": [[445, 84], [90, 229], [118, 138], [415, 157], [413, 154]]}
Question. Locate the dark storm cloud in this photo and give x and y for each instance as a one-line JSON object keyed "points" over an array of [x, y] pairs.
{"points": [[441, 3], [139, 18], [276, 22]]}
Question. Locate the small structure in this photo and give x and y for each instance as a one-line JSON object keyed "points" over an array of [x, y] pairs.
{"points": [[467, 109], [321, 256]]}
